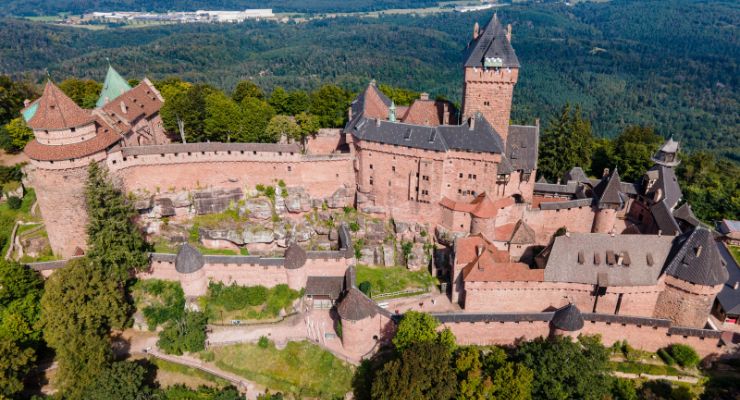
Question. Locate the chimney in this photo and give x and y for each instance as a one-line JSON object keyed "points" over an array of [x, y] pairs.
{"points": [[479, 250], [476, 31], [606, 173], [424, 96], [445, 113], [698, 251], [26, 102], [508, 33], [377, 122]]}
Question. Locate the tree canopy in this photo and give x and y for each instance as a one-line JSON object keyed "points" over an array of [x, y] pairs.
{"points": [[566, 142]]}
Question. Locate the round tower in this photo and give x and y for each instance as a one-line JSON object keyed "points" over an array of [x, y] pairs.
{"points": [[610, 200], [361, 322], [295, 260], [66, 140], [189, 264], [567, 321], [491, 71], [694, 275]]}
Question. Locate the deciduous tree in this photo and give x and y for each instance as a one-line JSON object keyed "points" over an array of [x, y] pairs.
{"points": [[84, 92], [282, 126], [245, 89], [329, 103], [18, 134], [256, 114], [422, 372]]}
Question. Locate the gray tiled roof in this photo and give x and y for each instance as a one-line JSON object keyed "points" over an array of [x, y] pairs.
{"points": [[627, 319], [703, 333], [568, 188], [355, 306], [330, 286], [729, 297], [523, 233], [522, 147], [576, 174], [491, 43], [560, 205], [480, 137], [664, 218], [567, 318], [668, 183], [685, 214], [245, 260], [582, 257], [188, 259], [697, 259], [610, 191]]}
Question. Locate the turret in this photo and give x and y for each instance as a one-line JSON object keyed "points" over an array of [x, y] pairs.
{"points": [[491, 70], [295, 260], [667, 155], [610, 201], [694, 274], [189, 264], [566, 321]]}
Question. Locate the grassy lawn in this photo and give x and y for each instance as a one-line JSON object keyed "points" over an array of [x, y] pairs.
{"points": [[302, 368], [169, 373], [632, 367], [735, 250], [394, 279], [8, 217]]}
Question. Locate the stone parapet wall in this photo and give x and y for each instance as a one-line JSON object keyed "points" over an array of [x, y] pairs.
{"points": [[72, 163], [326, 141], [65, 136], [546, 222]]}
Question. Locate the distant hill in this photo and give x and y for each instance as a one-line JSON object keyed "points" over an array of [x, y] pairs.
{"points": [[52, 7], [669, 64]]}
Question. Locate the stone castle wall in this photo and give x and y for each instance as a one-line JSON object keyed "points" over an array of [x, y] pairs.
{"points": [[546, 222], [490, 92], [685, 303]]}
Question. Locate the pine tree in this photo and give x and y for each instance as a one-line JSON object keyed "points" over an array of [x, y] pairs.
{"points": [[566, 143], [114, 240]]}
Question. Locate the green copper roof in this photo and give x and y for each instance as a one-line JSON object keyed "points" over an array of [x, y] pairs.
{"points": [[29, 112], [113, 87]]}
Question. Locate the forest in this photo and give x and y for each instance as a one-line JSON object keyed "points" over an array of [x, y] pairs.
{"points": [[673, 67], [42, 7]]}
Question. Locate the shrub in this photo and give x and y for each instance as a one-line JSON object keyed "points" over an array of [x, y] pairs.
{"points": [[366, 287], [235, 297], [187, 334], [666, 357], [263, 342], [281, 183], [684, 355], [14, 202], [354, 226], [168, 303]]}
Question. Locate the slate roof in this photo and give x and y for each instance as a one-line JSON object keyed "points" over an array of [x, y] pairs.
{"points": [[697, 259], [666, 181], [729, 297], [355, 306], [295, 256], [113, 86], [576, 174], [610, 191], [188, 259], [491, 43], [667, 154], [567, 318], [664, 218], [329, 286], [477, 137], [55, 111], [522, 147], [583, 257], [684, 213]]}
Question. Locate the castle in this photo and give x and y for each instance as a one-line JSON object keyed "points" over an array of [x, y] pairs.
{"points": [[629, 255]]}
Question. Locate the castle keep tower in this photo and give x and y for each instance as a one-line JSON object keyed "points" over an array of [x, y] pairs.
{"points": [[491, 71]]}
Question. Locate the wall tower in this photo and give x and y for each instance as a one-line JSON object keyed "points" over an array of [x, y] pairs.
{"points": [[491, 70]]}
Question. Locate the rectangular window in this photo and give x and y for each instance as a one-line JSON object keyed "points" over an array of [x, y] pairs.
{"points": [[371, 181], [371, 166]]}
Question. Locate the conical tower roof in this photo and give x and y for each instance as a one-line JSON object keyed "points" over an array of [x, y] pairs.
{"points": [[696, 259], [56, 111], [493, 45], [113, 87], [611, 196], [188, 259], [568, 318]]}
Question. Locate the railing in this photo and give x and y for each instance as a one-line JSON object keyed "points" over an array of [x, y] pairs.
{"points": [[400, 293]]}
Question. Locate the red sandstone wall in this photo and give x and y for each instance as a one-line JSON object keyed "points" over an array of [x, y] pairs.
{"points": [[321, 176], [357, 336], [497, 333], [604, 221], [326, 141], [686, 304], [490, 92], [546, 222]]}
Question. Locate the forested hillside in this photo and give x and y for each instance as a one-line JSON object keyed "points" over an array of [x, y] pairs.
{"points": [[45, 7], [672, 65]]}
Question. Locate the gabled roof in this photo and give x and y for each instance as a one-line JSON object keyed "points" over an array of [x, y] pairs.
{"points": [[567, 318], [480, 207], [696, 259], [684, 213], [576, 174], [142, 101], [372, 103], [491, 44], [55, 111], [113, 86], [522, 145], [475, 136], [664, 219], [188, 259], [523, 234]]}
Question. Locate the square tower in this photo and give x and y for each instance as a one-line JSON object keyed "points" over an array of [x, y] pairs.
{"points": [[491, 71]]}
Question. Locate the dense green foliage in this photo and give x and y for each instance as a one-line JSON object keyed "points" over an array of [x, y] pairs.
{"points": [[114, 240], [711, 186], [566, 142], [160, 301], [417, 327], [422, 371], [20, 291], [684, 355], [182, 392], [187, 334], [123, 380], [671, 66], [252, 302], [40, 7]]}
